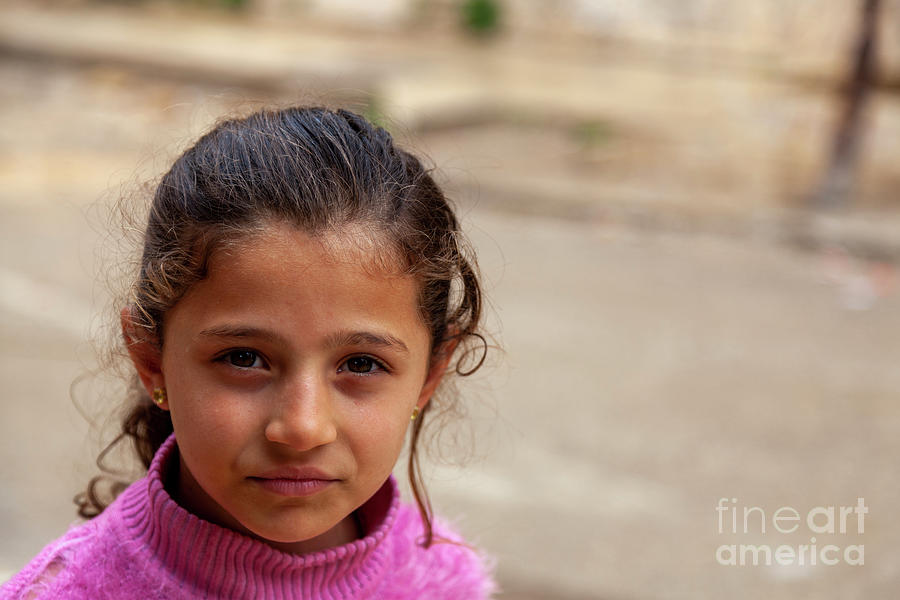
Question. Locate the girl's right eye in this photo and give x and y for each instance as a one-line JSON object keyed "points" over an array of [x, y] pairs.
{"points": [[243, 359]]}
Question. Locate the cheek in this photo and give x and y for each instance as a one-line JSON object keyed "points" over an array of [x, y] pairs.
{"points": [[378, 436], [202, 413], [211, 418]]}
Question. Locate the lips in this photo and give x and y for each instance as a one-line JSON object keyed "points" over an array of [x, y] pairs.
{"points": [[294, 481]]}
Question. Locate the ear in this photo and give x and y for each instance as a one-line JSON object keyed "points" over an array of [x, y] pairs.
{"points": [[144, 354], [436, 371]]}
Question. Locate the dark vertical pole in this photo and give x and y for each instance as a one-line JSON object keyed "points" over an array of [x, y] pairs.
{"points": [[836, 184]]}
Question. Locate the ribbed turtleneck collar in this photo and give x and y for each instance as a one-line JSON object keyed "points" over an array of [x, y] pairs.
{"points": [[218, 562]]}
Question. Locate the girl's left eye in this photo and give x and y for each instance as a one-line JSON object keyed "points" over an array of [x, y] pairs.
{"points": [[362, 365]]}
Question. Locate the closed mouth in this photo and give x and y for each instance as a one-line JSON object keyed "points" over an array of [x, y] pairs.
{"points": [[294, 481], [291, 486]]}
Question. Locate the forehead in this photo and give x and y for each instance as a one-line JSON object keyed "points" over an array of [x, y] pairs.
{"points": [[281, 276], [365, 245], [355, 251]]}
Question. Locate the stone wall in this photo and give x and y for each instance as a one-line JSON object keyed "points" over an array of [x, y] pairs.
{"points": [[810, 38]]}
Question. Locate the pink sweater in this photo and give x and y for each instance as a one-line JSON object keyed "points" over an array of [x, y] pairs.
{"points": [[146, 546]]}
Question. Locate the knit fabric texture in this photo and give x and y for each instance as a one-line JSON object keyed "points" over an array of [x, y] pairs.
{"points": [[144, 545]]}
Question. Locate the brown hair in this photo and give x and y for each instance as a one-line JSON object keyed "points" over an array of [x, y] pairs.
{"points": [[319, 170]]}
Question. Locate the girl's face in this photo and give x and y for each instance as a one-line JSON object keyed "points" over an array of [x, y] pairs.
{"points": [[291, 372]]}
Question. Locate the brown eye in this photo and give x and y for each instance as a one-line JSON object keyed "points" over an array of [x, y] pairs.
{"points": [[363, 365], [245, 359], [360, 364]]}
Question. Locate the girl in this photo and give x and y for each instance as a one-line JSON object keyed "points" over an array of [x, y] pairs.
{"points": [[302, 291]]}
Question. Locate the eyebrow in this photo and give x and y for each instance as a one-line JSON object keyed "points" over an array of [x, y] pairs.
{"points": [[367, 338], [237, 331], [341, 338]]}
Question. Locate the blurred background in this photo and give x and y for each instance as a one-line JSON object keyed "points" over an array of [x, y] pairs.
{"points": [[687, 217]]}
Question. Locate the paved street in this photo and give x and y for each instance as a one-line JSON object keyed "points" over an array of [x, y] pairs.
{"points": [[645, 373]]}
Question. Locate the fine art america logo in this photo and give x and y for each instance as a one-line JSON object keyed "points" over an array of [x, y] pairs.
{"points": [[817, 521]]}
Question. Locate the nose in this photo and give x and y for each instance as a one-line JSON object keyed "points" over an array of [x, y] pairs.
{"points": [[304, 417]]}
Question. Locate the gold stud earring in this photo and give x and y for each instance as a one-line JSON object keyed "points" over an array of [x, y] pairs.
{"points": [[159, 396], [415, 414]]}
